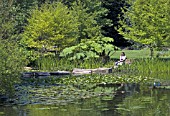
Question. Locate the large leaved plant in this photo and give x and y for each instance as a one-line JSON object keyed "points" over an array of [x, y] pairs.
{"points": [[90, 49]]}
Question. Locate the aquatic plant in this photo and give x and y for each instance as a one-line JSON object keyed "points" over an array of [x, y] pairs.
{"points": [[156, 68], [53, 63]]}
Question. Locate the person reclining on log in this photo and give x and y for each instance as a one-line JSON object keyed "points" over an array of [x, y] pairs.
{"points": [[122, 59]]}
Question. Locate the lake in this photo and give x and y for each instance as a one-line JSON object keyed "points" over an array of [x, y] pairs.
{"points": [[129, 100]]}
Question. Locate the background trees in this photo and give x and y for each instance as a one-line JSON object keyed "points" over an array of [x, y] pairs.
{"points": [[91, 42], [21, 10], [12, 58], [37, 24], [88, 15], [6, 19], [50, 25], [147, 22], [78, 23], [114, 11], [12, 62]]}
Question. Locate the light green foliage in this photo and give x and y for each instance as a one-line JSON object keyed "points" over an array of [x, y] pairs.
{"points": [[13, 16], [155, 68], [90, 49], [56, 24], [12, 61], [52, 24], [147, 22], [11, 58], [90, 15]]}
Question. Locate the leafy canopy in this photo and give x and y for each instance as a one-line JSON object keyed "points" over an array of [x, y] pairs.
{"points": [[12, 61], [91, 43], [147, 22], [49, 25], [6, 20], [90, 16]]}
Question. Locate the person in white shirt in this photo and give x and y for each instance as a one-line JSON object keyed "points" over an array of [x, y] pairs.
{"points": [[121, 60], [122, 57]]}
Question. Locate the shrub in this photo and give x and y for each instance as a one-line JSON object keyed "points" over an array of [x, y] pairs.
{"points": [[12, 61]]}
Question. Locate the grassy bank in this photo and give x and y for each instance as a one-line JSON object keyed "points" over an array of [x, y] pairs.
{"points": [[156, 68], [144, 53], [134, 54], [52, 63]]}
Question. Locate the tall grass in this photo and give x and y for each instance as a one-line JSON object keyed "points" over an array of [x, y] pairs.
{"points": [[156, 68], [52, 63]]}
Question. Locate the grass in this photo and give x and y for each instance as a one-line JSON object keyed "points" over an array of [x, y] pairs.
{"points": [[144, 53], [141, 62], [134, 54], [156, 68]]}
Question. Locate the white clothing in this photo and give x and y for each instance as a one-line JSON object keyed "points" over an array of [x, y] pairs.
{"points": [[122, 58]]}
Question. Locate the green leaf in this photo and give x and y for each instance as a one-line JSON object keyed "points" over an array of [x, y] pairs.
{"points": [[79, 55], [68, 51], [91, 54], [107, 39]]}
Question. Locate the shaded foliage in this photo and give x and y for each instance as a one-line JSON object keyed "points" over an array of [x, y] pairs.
{"points": [[12, 61], [6, 19], [114, 7]]}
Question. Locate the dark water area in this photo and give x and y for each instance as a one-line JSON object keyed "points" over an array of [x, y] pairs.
{"points": [[129, 100]]}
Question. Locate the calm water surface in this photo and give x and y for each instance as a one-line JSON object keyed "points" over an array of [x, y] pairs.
{"points": [[131, 100]]}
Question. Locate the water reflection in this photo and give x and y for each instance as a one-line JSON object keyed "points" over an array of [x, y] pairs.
{"points": [[153, 102], [130, 100]]}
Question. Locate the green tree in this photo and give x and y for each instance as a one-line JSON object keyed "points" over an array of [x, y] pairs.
{"points": [[147, 22], [6, 20], [114, 7], [49, 25], [12, 61], [90, 15], [91, 43], [21, 10]]}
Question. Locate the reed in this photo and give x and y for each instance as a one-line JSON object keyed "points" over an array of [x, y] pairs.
{"points": [[52, 63], [156, 68], [146, 67]]}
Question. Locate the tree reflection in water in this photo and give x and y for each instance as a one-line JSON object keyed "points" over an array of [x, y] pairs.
{"points": [[130, 100]]}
